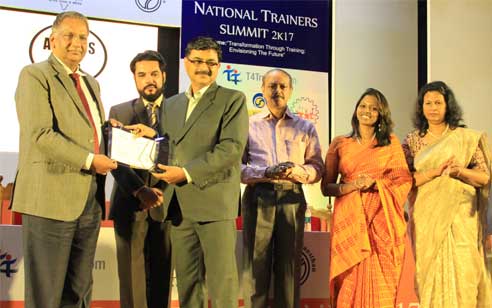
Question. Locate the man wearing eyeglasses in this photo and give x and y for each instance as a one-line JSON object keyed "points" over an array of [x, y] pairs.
{"points": [[207, 127]]}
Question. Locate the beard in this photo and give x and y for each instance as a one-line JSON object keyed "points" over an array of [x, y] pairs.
{"points": [[152, 97]]}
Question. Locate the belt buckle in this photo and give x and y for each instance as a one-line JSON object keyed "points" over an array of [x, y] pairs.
{"points": [[283, 186], [277, 186]]}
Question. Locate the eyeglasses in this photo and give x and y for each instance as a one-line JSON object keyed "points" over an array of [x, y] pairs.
{"points": [[198, 62]]}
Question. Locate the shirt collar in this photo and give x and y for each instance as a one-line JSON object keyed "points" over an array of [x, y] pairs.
{"points": [[198, 95], [157, 102], [67, 69], [266, 114]]}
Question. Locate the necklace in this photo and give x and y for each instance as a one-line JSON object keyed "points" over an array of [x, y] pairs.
{"points": [[359, 140], [442, 134]]}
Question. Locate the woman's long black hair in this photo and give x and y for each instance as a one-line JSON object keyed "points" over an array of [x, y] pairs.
{"points": [[383, 126]]}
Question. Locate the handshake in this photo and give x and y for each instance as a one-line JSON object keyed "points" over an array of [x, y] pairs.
{"points": [[280, 171]]}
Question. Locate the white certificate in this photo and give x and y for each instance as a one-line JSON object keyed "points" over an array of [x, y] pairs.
{"points": [[128, 149]]}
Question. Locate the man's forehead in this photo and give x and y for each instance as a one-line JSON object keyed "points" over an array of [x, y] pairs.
{"points": [[145, 64], [277, 76], [209, 53], [277, 80], [70, 23]]}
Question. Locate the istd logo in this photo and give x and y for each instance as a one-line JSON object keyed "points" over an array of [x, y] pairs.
{"points": [[148, 6], [258, 100], [308, 264], [232, 74], [94, 61], [6, 264], [306, 108]]}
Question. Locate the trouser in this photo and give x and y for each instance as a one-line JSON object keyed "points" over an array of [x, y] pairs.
{"points": [[59, 257], [144, 263], [205, 247], [273, 231]]}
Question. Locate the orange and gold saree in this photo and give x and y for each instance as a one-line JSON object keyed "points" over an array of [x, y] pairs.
{"points": [[369, 229]]}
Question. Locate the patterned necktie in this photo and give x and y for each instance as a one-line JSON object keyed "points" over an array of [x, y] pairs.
{"points": [[76, 78], [153, 113]]}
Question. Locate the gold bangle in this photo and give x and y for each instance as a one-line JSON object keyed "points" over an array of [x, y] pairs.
{"points": [[340, 192]]}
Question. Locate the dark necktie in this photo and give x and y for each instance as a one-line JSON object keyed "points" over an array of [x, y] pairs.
{"points": [[76, 78]]}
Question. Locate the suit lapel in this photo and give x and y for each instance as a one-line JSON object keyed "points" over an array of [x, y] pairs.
{"points": [[203, 104], [69, 86], [177, 114], [140, 111]]}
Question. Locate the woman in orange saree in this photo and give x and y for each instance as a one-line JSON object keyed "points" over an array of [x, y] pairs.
{"points": [[369, 229], [450, 165]]}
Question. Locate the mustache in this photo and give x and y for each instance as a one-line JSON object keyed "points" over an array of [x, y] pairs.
{"points": [[150, 86], [207, 72]]}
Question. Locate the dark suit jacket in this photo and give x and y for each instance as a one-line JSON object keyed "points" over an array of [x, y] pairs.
{"points": [[127, 180], [209, 146], [55, 139]]}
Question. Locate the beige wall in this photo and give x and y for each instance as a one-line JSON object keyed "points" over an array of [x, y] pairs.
{"points": [[374, 45], [460, 54]]}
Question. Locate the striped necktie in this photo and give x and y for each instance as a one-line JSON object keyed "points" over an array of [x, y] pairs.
{"points": [[152, 107]]}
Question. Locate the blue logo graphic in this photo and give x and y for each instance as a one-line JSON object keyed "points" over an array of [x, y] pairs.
{"points": [[148, 6], [259, 101], [232, 75], [6, 264]]}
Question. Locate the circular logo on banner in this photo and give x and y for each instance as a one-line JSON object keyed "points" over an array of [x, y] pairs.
{"points": [[94, 61], [258, 100], [308, 264], [148, 6]]}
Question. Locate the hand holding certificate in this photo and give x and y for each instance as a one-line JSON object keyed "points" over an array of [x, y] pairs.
{"points": [[136, 152]]}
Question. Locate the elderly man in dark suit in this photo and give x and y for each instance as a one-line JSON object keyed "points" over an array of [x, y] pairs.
{"points": [[207, 127], [59, 187], [143, 246]]}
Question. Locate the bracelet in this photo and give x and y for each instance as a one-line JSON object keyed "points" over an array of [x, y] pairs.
{"points": [[340, 192]]}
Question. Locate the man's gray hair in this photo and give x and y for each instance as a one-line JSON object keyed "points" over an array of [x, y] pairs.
{"points": [[69, 14]]}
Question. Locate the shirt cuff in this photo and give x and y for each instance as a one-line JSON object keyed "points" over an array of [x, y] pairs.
{"points": [[135, 193], [88, 161], [188, 176]]}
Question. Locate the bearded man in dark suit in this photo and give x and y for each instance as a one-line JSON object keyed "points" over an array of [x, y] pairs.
{"points": [[143, 246]]}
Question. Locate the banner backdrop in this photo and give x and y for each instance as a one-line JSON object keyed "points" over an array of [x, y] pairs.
{"points": [[309, 100], [257, 36], [108, 58], [157, 12], [283, 33]]}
